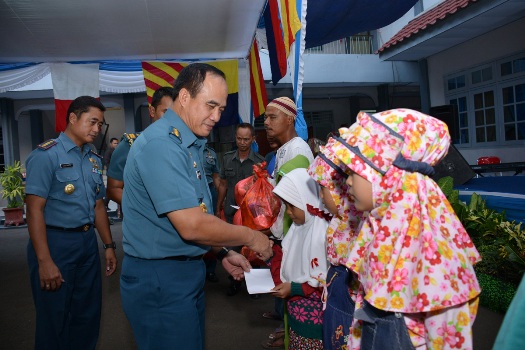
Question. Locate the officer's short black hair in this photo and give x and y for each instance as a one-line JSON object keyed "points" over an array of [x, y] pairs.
{"points": [[165, 91], [82, 104], [247, 126], [113, 139], [192, 77]]}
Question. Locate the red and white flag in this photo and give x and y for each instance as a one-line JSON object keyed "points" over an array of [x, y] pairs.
{"points": [[69, 82]]}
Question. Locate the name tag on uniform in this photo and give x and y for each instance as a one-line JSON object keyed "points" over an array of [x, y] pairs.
{"points": [[66, 165]]}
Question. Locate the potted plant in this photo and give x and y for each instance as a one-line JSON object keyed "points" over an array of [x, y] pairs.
{"points": [[14, 191]]}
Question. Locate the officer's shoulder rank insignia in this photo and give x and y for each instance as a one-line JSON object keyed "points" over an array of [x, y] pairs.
{"points": [[47, 144], [130, 138], [95, 153], [175, 132]]}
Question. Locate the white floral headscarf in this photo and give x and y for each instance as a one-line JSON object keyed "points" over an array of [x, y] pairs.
{"points": [[343, 226], [304, 246]]}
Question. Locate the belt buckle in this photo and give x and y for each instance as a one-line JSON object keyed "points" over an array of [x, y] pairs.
{"points": [[85, 228]]}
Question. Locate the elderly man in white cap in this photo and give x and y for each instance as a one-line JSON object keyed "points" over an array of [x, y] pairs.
{"points": [[279, 122]]}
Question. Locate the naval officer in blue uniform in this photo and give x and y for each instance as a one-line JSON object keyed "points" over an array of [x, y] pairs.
{"points": [[65, 203], [161, 100], [169, 223]]}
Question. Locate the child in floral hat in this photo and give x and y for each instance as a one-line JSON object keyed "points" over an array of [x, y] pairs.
{"points": [[413, 258], [341, 286]]}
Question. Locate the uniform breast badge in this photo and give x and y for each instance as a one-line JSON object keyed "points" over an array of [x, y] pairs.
{"points": [[69, 189], [95, 168], [203, 207]]}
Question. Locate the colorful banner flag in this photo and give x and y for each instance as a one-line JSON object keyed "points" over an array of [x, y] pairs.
{"points": [[69, 82], [291, 23], [275, 41], [296, 62], [159, 74], [257, 87]]}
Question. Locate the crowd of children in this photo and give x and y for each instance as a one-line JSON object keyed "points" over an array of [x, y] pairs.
{"points": [[376, 257]]}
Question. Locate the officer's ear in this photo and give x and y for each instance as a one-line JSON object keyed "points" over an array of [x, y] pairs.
{"points": [[151, 111], [72, 118], [184, 96]]}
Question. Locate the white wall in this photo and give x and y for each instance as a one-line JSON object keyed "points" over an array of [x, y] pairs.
{"points": [[497, 44], [360, 69], [113, 116], [502, 42]]}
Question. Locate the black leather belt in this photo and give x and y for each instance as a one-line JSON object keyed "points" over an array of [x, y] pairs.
{"points": [[184, 258], [83, 228]]}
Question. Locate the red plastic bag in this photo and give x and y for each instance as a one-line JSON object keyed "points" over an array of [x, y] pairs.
{"points": [[242, 187], [260, 206]]}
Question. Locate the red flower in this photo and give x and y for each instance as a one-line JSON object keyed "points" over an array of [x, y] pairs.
{"points": [[422, 301], [383, 233], [409, 118], [459, 340], [397, 196], [436, 258], [458, 241], [314, 263], [378, 160], [407, 241]]}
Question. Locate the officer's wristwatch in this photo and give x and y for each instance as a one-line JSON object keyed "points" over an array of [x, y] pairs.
{"points": [[222, 253], [111, 245]]}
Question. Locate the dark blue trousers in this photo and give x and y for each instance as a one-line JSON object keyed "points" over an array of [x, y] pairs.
{"points": [[339, 312], [164, 302], [70, 317], [383, 329]]}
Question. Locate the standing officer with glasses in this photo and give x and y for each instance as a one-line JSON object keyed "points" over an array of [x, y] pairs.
{"points": [[65, 202]]}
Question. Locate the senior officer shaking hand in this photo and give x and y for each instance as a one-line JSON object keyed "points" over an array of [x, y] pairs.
{"points": [[169, 223], [65, 197]]}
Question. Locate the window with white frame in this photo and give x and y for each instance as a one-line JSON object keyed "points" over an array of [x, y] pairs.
{"points": [[484, 116], [463, 124], [514, 112], [490, 101]]}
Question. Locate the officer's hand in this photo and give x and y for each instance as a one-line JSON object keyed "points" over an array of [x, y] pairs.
{"points": [[235, 264], [261, 245], [267, 232], [50, 276], [111, 261]]}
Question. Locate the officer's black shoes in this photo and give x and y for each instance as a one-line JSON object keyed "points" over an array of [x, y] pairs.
{"points": [[212, 277]]}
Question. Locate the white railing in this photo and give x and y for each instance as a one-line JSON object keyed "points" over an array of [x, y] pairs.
{"points": [[356, 45]]}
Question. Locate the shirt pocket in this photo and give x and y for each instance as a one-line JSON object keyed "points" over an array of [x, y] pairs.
{"points": [[229, 172], [66, 184], [97, 178]]}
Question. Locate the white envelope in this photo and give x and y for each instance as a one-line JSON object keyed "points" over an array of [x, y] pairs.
{"points": [[259, 281]]}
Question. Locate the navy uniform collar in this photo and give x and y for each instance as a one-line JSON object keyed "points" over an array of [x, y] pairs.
{"points": [[187, 136], [68, 144]]}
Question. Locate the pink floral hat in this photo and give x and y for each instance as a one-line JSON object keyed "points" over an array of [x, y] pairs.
{"points": [[411, 253]]}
